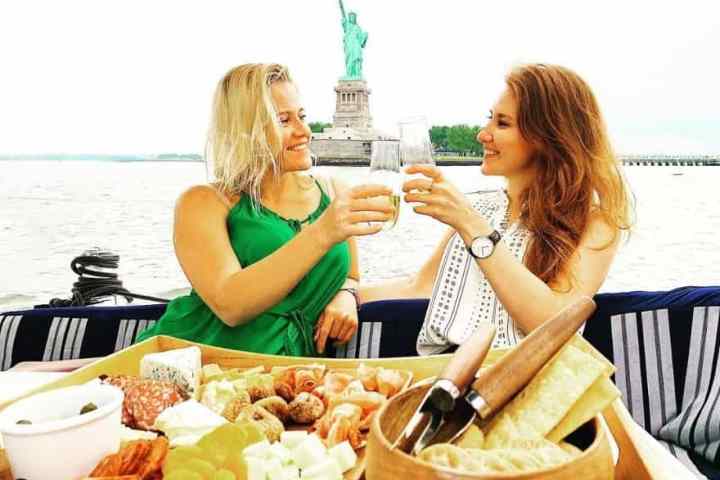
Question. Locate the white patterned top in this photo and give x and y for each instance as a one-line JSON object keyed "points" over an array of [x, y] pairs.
{"points": [[462, 297]]}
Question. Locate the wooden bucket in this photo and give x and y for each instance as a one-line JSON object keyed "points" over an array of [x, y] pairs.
{"points": [[383, 462]]}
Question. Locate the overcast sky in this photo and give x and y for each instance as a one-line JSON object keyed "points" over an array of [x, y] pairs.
{"points": [[133, 76]]}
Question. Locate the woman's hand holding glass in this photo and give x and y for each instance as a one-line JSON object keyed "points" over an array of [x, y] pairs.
{"points": [[440, 199], [358, 211]]}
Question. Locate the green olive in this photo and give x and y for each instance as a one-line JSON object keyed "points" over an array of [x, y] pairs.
{"points": [[89, 407]]}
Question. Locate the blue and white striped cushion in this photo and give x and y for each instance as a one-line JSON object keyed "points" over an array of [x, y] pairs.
{"points": [[364, 344], [650, 354], [129, 330], [37, 335], [8, 331], [64, 339]]}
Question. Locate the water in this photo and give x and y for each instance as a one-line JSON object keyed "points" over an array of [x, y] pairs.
{"points": [[51, 212]]}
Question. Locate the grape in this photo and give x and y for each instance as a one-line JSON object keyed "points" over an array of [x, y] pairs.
{"points": [[182, 474], [217, 456], [224, 474], [203, 467]]}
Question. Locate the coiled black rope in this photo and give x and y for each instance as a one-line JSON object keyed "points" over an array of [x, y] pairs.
{"points": [[95, 286]]}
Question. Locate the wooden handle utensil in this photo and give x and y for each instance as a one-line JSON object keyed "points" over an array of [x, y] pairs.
{"points": [[467, 359], [496, 385]]}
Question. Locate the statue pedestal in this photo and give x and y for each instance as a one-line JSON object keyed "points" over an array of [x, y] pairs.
{"points": [[349, 140], [352, 105]]}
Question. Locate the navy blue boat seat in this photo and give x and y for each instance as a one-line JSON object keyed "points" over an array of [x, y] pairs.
{"points": [[387, 329], [46, 334], [666, 349]]}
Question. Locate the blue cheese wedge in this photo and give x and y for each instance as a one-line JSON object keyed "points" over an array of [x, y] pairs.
{"points": [[181, 366]]}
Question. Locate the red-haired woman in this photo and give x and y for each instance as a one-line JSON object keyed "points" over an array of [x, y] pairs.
{"points": [[517, 256]]}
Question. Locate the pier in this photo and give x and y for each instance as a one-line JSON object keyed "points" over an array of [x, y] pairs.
{"points": [[671, 160], [628, 160]]}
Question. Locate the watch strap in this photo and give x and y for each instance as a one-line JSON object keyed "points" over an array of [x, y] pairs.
{"points": [[495, 237]]}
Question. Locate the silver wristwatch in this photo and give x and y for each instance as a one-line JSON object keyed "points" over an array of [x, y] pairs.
{"points": [[483, 246]]}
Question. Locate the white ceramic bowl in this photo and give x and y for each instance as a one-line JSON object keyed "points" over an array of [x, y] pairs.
{"points": [[60, 443]]}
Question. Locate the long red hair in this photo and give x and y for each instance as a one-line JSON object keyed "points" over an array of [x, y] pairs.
{"points": [[578, 175]]}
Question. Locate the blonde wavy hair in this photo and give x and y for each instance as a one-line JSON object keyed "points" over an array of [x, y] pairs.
{"points": [[244, 139]]}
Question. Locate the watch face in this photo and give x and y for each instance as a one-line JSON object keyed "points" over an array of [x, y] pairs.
{"points": [[482, 247]]}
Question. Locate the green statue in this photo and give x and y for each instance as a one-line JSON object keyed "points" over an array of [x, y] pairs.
{"points": [[354, 40]]}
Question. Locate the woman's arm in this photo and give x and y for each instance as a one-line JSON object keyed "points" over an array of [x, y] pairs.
{"points": [[237, 294], [339, 320], [339, 187], [528, 300], [418, 285]]}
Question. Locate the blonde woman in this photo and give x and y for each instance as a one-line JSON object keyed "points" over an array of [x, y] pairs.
{"points": [[516, 256], [269, 254]]}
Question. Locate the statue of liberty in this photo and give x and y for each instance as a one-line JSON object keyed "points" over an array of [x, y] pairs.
{"points": [[354, 40]]}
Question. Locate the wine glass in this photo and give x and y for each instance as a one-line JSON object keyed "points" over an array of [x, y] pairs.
{"points": [[385, 170], [415, 147]]}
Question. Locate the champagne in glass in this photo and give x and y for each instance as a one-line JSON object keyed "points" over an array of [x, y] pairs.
{"points": [[385, 170]]}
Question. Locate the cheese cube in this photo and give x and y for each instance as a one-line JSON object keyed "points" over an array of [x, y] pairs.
{"points": [[310, 452], [344, 455], [181, 366], [289, 473], [255, 468], [273, 469], [325, 470], [210, 370], [257, 450], [217, 394], [278, 450], [293, 438]]}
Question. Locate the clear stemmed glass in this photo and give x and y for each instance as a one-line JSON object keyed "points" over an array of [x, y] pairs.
{"points": [[415, 148], [385, 170]]}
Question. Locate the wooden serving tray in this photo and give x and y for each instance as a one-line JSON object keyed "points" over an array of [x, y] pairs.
{"points": [[641, 458], [128, 362]]}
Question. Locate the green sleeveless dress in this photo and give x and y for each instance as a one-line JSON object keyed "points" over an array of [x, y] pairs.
{"points": [[288, 327]]}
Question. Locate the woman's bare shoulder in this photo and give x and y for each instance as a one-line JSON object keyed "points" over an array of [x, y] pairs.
{"points": [[205, 196], [599, 233]]}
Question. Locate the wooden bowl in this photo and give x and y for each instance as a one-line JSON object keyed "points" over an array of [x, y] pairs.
{"points": [[384, 462]]}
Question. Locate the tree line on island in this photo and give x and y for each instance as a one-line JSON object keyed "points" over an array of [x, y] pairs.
{"points": [[455, 140]]}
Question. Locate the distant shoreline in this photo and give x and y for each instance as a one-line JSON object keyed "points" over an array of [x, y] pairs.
{"points": [[89, 157], [441, 161], [445, 161]]}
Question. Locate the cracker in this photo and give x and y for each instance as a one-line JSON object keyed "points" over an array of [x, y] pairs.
{"points": [[600, 394], [538, 408]]}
